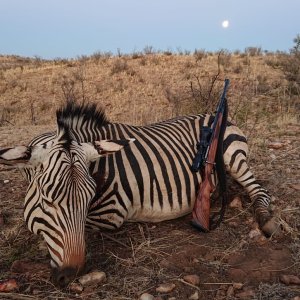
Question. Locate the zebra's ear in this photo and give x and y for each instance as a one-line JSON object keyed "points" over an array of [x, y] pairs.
{"points": [[106, 147], [16, 156], [23, 156]]}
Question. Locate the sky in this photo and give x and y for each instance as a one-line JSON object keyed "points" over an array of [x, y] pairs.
{"points": [[71, 28]]}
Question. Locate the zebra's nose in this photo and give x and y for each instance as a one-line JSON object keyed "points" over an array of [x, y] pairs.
{"points": [[62, 277]]}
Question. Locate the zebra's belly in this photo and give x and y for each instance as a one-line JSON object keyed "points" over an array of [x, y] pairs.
{"points": [[149, 213], [151, 216]]}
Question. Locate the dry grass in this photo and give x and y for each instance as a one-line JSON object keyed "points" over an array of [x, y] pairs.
{"points": [[144, 88]]}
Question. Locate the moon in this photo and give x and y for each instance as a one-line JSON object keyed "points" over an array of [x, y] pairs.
{"points": [[225, 23]]}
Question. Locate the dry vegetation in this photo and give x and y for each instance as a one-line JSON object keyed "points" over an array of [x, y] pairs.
{"points": [[148, 87]]}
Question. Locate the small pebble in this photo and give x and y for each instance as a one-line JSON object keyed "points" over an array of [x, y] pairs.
{"points": [[76, 288], [192, 279], [146, 296], [92, 278], [6, 181], [166, 288], [276, 145], [194, 296], [236, 203], [9, 285], [290, 279], [254, 233], [237, 285]]}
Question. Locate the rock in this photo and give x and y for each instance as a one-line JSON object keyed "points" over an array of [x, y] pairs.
{"points": [[6, 181], [290, 279], [254, 233], [76, 288], [276, 145], [237, 285], [93, 278], [166, 288], [236, 203], [146, 296], [192, 279], [194, 296], [8, 285]]}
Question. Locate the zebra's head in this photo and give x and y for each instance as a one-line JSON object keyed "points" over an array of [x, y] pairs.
{"points": [[60, 191]]}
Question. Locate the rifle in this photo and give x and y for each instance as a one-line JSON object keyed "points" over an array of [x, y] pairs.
{"points": [[210, 155]]}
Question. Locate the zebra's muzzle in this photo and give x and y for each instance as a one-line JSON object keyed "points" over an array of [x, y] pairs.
{"points": [[62, 277]]}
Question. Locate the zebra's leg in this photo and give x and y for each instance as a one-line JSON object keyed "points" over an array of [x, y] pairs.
{"points": [[235, 159]]}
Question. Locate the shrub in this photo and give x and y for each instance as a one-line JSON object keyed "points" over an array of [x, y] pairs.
{"points": [[199, 54], [253, 51]]}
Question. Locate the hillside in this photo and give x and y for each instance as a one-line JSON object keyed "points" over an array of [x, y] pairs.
{"points": [[142, 88]]}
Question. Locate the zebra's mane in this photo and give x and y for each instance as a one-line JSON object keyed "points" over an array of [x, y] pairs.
{"points": [[80, 122]]}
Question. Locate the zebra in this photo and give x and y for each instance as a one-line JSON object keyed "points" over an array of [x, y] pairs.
{"points": [[92, 173]]}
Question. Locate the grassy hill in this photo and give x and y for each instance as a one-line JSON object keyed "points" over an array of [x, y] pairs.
{"points": [[143, 88]]}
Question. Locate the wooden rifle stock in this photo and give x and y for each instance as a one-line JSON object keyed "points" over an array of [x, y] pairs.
{"points": [[202, 203], [201, 208]]}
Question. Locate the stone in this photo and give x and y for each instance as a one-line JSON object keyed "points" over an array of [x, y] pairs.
{"points": [[93, 278], [76, 288], [166, 288], [236, 203], [146, 296], [237, 285], [290, 279], [6, 181], [192, 279], [276, 145], [254, 233], [194, 296], [8, 285]]}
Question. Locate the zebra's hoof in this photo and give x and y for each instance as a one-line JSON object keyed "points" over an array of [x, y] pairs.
{"points": [[271, 227]]}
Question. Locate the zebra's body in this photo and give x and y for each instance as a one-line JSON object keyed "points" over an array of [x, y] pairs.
{"points": [[74, 183], [151, 180]]}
